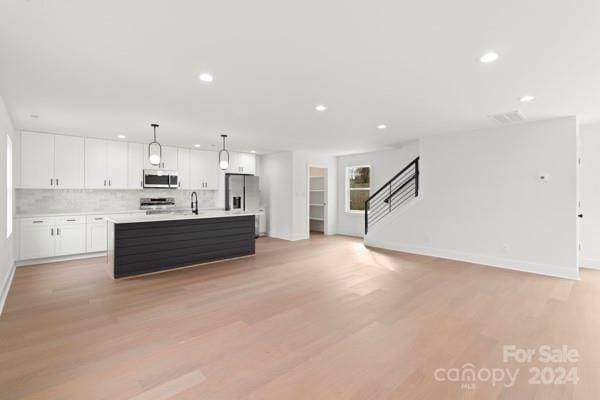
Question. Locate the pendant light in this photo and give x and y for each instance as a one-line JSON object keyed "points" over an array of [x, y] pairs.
{"points": [[223, 156], [154, 149]]}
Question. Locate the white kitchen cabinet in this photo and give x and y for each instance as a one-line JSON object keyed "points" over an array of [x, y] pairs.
{"points": [[96, 236], [183, 167], [95, 164], [116, 164], [204, 170], [51, 161], [68, 162], [241, 163], [36, 237], [37, 160], [135, 165], [105, 164], [70, 239], [167, 162]]}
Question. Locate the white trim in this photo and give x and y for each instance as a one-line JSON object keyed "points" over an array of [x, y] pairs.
{"points": [[497, 262], [288, 237], [588, 263], [6, 286], [36, 261]]}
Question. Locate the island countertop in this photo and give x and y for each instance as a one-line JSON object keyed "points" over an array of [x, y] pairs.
{"points": [[129, 219]]}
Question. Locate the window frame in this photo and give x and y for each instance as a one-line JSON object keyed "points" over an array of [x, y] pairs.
{"points": [[348, 188]]}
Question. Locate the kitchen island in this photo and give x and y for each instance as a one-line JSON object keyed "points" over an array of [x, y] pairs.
{"points": [[152, 243]]}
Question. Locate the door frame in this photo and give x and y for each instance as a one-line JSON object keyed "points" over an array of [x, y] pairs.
{"points": [[326, 200]]}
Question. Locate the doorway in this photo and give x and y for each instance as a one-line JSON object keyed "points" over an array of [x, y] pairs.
{"points": [[317, 200]]}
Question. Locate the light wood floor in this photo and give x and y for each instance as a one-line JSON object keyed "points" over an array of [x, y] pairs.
{"points": [[319, 319]]}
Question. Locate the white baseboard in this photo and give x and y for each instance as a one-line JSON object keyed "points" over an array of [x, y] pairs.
{"points": [[36, 261], [590, 264], [497, 262], [6, 286], [289, 237]]}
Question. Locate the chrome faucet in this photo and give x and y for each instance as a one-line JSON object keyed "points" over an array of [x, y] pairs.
{"points": [[194, 203]]}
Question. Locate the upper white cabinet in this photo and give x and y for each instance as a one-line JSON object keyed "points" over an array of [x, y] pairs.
{"points": [[51, 161], [168, 160], [105, 164], [135, 165], [183, 168], [242, 163], [68, 162], [116, 164], [204, 170]]}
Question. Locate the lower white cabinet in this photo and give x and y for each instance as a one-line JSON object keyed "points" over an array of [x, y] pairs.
{"points": [[96, 234], [70, 239], [37, 237], [51, 236]]}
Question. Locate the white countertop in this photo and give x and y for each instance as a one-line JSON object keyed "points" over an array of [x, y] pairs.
{"points": [[106, 212], [126, 219]]}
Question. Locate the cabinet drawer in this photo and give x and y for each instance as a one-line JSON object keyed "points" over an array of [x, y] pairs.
{"points": [[40, 221], [93, 219], [70, 220]]}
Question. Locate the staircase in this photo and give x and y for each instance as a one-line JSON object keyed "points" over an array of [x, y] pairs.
{"points": [[396, 192]]}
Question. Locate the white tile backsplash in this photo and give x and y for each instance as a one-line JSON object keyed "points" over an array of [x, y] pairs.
{"points": [[29, 201]]}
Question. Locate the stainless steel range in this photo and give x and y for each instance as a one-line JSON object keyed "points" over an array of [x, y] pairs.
{"points": [[162, 205]]}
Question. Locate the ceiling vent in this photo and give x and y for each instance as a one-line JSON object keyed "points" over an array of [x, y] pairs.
{"points": [[511, 117]]}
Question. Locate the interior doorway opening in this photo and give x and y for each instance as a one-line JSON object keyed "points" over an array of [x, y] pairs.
{"points": [[317, 200]]}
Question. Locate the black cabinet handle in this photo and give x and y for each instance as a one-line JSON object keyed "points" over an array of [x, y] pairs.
{"points": [[57, 231], [51, 231], [580, 215], [51, 182], [56, 181]]}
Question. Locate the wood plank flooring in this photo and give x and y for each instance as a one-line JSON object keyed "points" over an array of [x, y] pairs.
{"points": [[324, 318]]}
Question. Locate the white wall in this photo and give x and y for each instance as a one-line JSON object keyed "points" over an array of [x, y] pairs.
{"points": [[480, 200], [6, 245], [301, 162], [276, 188], [590, 195], [384, 165]]}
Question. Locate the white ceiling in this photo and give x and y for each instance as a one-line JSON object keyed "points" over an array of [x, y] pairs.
{"points": [[107, 67]]}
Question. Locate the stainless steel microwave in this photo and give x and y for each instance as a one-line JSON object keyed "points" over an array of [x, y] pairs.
{"points": [[158, 178]]}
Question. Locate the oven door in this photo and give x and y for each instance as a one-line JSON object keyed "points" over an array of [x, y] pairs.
{"points": [[156, 179]]}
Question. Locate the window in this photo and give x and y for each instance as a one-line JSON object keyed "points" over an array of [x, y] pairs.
{"points": [[9, 187], [358, 187]]}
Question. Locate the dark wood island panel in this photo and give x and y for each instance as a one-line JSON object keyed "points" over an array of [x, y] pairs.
{"points": [[150, 246]]}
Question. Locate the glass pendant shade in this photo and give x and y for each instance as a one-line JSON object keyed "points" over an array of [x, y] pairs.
{"points": [[223, 156], [154, 149]]}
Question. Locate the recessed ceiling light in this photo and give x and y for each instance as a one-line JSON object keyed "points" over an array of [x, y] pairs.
{"points": [[489, 57], [253, 151], [320, 107], [381, 126], [196, 145], [527, 98], [205, 77], [121, 136], [34, 116]]}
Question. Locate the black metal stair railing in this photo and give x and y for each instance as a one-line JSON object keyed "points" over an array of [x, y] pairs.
{"points": [[393, 194]]}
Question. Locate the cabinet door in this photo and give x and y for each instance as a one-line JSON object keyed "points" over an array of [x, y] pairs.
{"points": [[70, 239], [234, 165], [96, 237], [68, 162], [246, 163], [183, 166], [210, 168], [169, 160], [203, 170], [116, 164], [37, 160], [37, 241], [95, 164], [135, 165]]}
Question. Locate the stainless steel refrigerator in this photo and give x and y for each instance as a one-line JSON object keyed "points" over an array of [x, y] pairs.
{"points": [[242, 192]]}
